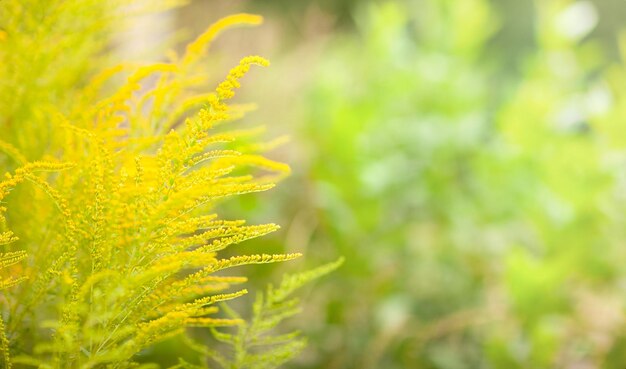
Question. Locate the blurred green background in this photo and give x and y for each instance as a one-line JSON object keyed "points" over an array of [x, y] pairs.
{"points": [[467, 157]]}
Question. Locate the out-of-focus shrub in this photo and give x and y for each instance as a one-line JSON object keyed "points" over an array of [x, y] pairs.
{"points": [[480, 210]]}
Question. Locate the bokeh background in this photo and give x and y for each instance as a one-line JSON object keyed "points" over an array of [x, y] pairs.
{"points": [[467, 157]]}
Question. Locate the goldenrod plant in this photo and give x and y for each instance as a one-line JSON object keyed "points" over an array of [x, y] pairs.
{"points": [[110, 237]]}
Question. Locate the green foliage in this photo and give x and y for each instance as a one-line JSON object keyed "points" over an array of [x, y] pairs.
{"points": [[479, 206], [112, 192], [253, 346]]}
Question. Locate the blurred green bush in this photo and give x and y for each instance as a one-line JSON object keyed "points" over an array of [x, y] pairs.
{"points": [[479, 206]]}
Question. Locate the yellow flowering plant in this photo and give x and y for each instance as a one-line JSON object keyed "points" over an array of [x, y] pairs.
{"points": [[110, 238]]}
